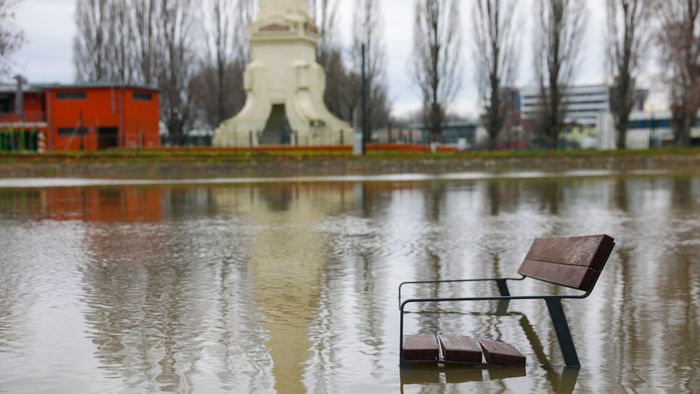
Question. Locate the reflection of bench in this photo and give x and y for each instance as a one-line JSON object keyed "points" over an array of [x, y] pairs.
{"points": [[574, 262]]}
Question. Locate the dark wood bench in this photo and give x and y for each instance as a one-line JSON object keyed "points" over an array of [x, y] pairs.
{"points": [[574, 262]]}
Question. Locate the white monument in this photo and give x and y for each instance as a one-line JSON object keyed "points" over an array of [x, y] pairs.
{"points": [[284, 85]]}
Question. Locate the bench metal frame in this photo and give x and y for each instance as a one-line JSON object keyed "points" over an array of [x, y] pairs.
{"points": [[553, 302]]}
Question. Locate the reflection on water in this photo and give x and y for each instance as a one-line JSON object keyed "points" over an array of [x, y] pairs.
{"points": [[291, 287]]}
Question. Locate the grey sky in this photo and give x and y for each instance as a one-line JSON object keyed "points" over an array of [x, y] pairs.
{"points": [[49, 29]]}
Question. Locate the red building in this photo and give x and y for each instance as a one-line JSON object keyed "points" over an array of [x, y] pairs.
{"points": [[79, 117]]}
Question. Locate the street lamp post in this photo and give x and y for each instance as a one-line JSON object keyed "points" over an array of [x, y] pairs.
{"points": [[653, 131], [365, 131]]}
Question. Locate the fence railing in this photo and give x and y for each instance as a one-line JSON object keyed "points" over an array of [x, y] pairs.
{"points": [[19, 141]]}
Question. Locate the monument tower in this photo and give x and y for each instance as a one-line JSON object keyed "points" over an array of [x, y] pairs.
{"points": [[284, 85]]}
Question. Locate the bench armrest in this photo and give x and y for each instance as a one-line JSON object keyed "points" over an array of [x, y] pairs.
{"points": [[499, 281], [491, 298]]}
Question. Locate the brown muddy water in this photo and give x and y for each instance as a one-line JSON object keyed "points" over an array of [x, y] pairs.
{"points": [[291, 286]]}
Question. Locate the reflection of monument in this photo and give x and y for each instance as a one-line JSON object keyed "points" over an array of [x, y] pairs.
{"points": [[284, 85], [287, 279]]}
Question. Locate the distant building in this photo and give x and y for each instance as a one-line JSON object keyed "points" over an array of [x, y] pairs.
{"points": [[78, 117], [646, 130], [588, 118], [453, 134], [584, 104]]}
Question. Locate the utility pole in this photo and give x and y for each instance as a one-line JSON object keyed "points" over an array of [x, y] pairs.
{"points": [[19, 98], [365, 134]]}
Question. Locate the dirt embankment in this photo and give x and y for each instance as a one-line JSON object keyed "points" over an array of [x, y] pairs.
{"points": [[282, 166]]}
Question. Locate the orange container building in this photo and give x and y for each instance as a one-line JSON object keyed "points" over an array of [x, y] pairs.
{"points": [[79, 117]]}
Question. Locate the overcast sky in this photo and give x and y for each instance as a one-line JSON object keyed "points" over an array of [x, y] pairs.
{"points": [[49, 29]]}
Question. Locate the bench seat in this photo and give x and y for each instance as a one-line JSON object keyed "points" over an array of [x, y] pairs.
{"points": [[501, 353], [459, 349], [422, 347]]}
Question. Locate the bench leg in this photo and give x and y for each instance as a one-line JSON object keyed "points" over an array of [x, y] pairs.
{"points": [[503, 287], [561, 327], [503, 291]]}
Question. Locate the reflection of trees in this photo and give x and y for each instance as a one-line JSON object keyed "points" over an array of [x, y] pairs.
{"points": [[434, 201], [627, 334], [240, 334], [431, 268], [678, 278], [21, 203], [620, 194], [503, 195], [157, 296], [682, 194], [549, 193], [279, 197], [136, 307], [494, 197], [355, 265], [185, 202], [15, 282]]}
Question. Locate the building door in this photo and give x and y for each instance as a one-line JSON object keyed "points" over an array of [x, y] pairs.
{"points": [[277, 130], [107, 137]]}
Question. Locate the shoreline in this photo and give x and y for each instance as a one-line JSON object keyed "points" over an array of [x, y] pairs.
{"points": [[43, 183], [185, 164]]}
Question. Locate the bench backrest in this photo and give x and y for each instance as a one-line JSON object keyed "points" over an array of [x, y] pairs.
{"points": [[574, 262]]}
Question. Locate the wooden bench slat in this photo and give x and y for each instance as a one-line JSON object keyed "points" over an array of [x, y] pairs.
{"points": [[459, 348], [422, 347], [588, 251], [573, 262], [566, 275], [501, 353]]}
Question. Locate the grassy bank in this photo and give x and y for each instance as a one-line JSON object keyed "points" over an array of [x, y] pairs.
{"points": [[196, 163]]}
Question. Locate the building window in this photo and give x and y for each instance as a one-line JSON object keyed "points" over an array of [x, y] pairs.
{"points": [[72, 131], [143, 96], [7, 104], [75, 95]]}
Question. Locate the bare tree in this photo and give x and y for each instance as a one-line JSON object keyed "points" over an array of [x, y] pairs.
{"points": [[627, 27], [90, 53], [221, 35], [559, 30], [146, 45], [368, 26], [679, 38], [121, 61], [11, 38], [217, 86], [103, 47], [338, 95], [177, 67], [244, 14], [325, 15], [495, 51], [436, 67]]}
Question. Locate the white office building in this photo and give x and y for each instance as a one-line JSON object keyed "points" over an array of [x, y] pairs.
{"points": [[585, 104], [588, 115]]}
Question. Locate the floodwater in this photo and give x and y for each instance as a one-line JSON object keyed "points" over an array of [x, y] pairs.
{"points": [[291, 287]]}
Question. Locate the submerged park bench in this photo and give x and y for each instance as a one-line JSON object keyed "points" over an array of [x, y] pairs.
{"points": [[574, 262]]}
